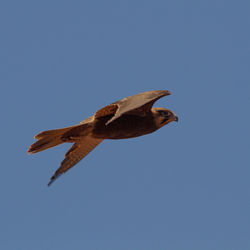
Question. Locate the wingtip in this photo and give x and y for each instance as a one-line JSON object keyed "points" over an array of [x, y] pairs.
{"points": [[49, 184], [163, 92], [53, 178], [168, 92], [51, 181]]}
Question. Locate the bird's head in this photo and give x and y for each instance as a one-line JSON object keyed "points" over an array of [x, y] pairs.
{"points": [[163, 116]]}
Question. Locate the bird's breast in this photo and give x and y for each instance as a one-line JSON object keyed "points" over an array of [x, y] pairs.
{"points": [[126, 126]]}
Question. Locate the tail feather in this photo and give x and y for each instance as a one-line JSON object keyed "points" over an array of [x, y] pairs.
{"points": [[51, 132], [54, 137], [48, 139]]}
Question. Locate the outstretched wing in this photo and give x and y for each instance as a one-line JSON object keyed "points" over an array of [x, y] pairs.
{"points": [[137, 104], [110, 109], [77, 152]]}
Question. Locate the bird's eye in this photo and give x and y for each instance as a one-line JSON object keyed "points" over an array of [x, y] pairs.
{"points": [[167, 113]]}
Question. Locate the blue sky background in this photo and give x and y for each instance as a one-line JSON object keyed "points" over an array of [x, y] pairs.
{"points": [[184, 187]]}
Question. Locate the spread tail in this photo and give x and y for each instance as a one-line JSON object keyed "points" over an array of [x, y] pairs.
{"points": [[51, 138], [48, 139]]}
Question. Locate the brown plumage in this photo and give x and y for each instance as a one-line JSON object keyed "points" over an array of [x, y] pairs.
{"points": [[130, 117]]}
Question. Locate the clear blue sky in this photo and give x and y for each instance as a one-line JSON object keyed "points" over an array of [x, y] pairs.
{"points": [[185, 187]]}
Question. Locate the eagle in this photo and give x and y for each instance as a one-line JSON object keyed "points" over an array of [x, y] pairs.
{"points": [[130, 117]]}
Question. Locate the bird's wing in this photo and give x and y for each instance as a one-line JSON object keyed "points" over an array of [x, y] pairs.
{"points": [[110, 109], [78, 151], [88, 120], [136, 104]]}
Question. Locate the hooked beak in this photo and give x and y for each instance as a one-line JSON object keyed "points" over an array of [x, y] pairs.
{"points": [[176, 119]]}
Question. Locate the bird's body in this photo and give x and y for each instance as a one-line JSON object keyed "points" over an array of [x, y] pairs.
{"points": [[126, 126], [130, 117]]}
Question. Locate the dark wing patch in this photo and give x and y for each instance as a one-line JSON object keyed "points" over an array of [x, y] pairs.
{"points": [[137, 104], [76, 153], [107, 110]]}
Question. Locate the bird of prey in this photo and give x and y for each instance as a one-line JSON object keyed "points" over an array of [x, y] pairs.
{"points": [[130, 117]]}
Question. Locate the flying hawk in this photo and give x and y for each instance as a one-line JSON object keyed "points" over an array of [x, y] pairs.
{"points": [[130, 117]]}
